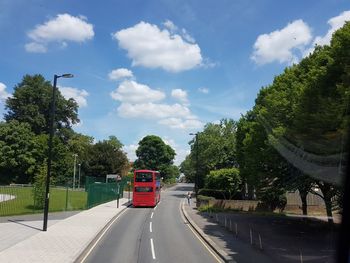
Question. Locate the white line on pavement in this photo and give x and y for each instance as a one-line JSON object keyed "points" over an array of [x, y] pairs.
{"points": [[197, 236], [103, 233], [150, 227], [152, 215], [152, 248]]}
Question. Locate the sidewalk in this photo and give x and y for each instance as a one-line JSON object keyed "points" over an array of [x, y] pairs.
{"points": [[64, 240], [244, 237], [221, 240]]}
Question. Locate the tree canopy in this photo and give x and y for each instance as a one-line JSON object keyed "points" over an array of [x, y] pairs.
{"points": [[31, 102], [152, 153]]}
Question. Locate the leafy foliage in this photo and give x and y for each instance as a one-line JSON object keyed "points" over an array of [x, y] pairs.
{"points": [[31, 102]]}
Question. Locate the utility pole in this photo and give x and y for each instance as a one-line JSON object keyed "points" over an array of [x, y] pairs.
{"points": [[79, 175], [49, 159], [197, 163], [74, 169]]}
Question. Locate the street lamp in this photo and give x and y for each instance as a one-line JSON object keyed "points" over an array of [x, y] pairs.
{"points": [[197, 164], [74, 168], [79, 176], [52, 121]]}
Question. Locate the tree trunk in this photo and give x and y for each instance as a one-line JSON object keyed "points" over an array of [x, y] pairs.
{"points": [[328, 203], [327, 197], [303, 198]]}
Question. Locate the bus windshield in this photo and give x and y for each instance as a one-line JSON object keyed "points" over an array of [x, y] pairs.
{"points": [[143, 177]]}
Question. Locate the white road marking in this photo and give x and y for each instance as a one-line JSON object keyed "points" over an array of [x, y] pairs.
{"points": [[152, 248], [150, 227], [197, 236], [103, 233], [152, 215]]}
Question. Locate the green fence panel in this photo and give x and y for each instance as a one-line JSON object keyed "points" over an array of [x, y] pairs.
{"points": [[98, 193], [17, 200]]}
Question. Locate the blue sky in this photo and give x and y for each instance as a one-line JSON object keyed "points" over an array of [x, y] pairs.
{"points": [[162, 67]]}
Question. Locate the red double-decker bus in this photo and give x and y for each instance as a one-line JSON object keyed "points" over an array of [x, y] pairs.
{"points": [[146, 188]]}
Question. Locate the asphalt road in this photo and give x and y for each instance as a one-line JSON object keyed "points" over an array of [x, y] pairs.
{"points": [[153, 235]]}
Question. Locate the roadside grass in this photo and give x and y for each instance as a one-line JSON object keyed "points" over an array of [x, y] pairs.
{"points": [[60, 200]]}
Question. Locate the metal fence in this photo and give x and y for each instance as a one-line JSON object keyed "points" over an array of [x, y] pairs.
{"points": [[19, 200], [98, 193]]}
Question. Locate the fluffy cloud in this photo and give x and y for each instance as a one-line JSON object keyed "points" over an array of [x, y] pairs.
{"points": [[3, 93], [60, 29], [177, 123], [152, 110], [335, 23], [170, 25], [203, 90], [132, 92], [151, 47], [140, 101], [120, 73], [180, 95], [130, 151], [280, 44], [78, 95]]}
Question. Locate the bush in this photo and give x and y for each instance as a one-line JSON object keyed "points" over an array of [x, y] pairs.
{"points": [[39, 187], [218, 194], [227, 180]]}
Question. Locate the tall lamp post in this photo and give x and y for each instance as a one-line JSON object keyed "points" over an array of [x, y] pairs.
{"points": [[79, 175], [197, 164], [52, 130], [74, 168]]}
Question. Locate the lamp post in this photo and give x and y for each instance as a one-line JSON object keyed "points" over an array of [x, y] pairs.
{"points": [[79, 175], [197, 164], [74, 168], [52, 130]]}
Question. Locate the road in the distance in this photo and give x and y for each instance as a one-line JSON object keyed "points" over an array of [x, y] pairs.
{"points": [[152, 235]]}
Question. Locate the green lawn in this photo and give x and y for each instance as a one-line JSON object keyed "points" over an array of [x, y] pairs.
{"points": [[24, 203]]}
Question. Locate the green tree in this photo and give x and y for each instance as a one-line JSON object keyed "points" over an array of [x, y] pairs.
{"points": [[215, 149], [188, 169], [105, 158], [154, 154], [18, 153], [227, 179], [30, 103]]}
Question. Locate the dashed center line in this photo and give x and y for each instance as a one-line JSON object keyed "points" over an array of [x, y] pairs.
{"points": [[150, 227], [152, 215], [152, 248]]}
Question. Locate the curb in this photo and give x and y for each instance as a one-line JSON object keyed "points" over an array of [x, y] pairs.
{"points": [[97, 236], [221, 253]]}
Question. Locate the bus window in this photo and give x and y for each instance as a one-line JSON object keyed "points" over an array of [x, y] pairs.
{"points": [[143, 189], [143, 177]]}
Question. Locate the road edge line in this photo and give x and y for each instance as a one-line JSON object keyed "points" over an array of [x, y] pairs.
{"points": [[221, 253], [86, 251]]}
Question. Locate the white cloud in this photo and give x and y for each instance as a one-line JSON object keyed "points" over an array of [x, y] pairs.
{"points": [[120, 73], [35, 47], [132, 92], [203, 90], [335, 23], [60, 29], [183, 124], [153, 110], [78, 95], [280, 44], [180, 95], [3, 93], [170, 25], [187, 36], [151, 47], [130, 151]]}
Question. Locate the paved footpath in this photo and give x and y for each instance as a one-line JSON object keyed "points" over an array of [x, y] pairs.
{"points": [[221, 240], [64, 241]]}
